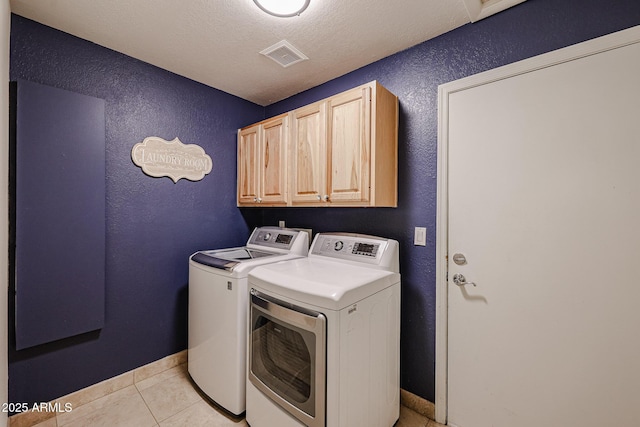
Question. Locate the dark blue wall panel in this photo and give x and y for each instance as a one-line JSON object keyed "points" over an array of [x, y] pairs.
{"points": [[531, 28], [60, 226], [152, 225]]}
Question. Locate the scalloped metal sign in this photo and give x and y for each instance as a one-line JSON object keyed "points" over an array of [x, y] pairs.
{"points": [[159, 158]]}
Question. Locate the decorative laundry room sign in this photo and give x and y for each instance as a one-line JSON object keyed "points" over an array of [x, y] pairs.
{"points": [[159, 158]]}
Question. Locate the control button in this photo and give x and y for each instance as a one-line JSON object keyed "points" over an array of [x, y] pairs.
{"points": [[338, 246], [267, 236]]}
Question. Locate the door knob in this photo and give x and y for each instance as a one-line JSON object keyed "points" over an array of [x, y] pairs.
{"points": [[460, 280]]}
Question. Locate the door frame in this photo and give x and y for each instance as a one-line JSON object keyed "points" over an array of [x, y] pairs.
{"points": [[571, 53]]}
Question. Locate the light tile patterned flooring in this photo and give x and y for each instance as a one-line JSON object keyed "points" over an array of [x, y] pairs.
{"points": [[169, 399]]}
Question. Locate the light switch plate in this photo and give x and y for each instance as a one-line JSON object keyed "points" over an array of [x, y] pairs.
{"points": [[420, 236]]}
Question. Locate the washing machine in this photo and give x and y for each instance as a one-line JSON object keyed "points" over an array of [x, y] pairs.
{"points": [[324, 336], [218, 301]]}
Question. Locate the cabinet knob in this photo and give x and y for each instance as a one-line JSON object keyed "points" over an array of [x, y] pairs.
{"points": [[325, 198]]}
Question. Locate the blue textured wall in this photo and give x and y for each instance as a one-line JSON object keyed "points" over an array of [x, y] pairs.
{"points": [[152, 224], [529, 29]]}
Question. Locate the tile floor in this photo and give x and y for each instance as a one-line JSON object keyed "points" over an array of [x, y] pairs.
{"points": [[169, 399]]}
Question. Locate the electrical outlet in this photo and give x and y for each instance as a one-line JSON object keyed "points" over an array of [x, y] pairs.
{"points": [[420, 236]]}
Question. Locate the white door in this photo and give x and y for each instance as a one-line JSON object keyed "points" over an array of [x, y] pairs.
{"points": [[544, 204]]}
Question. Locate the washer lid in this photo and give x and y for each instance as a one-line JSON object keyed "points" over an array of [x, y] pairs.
{"points": [[228, 259], [238, 254], [324, 284]]}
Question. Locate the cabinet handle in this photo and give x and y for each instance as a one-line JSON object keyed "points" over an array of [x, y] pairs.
{"points": [[259, 199], [319, 197], [325, 198], [266, 156]]}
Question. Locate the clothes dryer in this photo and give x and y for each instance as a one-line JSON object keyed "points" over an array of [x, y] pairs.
{"points": [[324, 336], [218, 301]]}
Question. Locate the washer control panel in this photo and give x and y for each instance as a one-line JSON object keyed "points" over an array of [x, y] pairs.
{"points": [[273, 237]]}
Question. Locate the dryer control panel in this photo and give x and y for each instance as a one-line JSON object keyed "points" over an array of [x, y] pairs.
{"points": [[358, 248]]}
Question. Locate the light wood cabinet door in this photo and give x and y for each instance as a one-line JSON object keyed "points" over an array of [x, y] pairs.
{"points": [[308, 153], [262, 163], [349, 151], [273, 167], [248, 165]]}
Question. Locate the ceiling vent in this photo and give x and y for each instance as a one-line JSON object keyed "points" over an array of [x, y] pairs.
{"points": [[284, 54]]}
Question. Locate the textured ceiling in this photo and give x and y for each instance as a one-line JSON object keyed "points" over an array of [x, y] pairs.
{"points": [[218, 42]]}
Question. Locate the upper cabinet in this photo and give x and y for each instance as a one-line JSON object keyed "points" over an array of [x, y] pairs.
{"points": [[262, 163], [308, 153], [349, 147], [342, 151]]}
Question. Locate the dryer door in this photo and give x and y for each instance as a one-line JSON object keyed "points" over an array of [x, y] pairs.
{"points": [[287, 357]]}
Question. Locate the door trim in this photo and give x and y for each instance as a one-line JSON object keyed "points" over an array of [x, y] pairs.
{"points": [[571, 53]]}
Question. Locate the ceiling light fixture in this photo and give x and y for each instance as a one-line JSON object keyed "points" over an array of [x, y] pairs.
{"points": [[283, 8]]}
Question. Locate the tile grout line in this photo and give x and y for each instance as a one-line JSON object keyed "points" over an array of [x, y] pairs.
{"points": [[119, 382], [160, 372], [177, 361], [178, 370], [147, 405]]}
